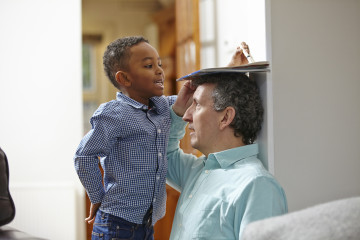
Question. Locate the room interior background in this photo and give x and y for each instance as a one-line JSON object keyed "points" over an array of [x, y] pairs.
{"points": [[314, 54]]}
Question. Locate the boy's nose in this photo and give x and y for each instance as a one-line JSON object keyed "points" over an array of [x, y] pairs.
{"points": [[159, 70]]}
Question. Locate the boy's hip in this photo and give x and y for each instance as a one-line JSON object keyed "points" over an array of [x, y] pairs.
{"points": [[107, 226]]}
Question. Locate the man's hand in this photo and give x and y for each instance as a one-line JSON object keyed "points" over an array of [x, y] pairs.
{"points": [[93, 209], [239, 57], [184, 98]]}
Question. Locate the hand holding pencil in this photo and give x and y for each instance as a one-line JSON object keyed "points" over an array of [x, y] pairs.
{"points": [[241, 56]]}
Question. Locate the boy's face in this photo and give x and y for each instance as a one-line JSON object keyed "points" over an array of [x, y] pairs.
{"points": [[144, 73]]}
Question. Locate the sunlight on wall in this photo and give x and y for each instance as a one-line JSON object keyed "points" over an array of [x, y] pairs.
{"points": [[225, 24]]}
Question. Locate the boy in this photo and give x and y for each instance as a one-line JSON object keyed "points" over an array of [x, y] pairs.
{"points": [[130, 136]]}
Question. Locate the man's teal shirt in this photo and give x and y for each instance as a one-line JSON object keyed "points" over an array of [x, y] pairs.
{"points": [[220, 194]]}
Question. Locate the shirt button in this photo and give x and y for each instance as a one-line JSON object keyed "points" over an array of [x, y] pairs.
{"points": [[159, 154], [154, 200], [207, 171], [159, 130], [157, 178], [190, 196]]}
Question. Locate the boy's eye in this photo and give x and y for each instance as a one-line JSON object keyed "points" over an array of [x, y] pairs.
{"points": [[160, 65], [148, 66]]}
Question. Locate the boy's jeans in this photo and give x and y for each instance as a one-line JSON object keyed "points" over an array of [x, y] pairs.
{"points": [[109, 227]]}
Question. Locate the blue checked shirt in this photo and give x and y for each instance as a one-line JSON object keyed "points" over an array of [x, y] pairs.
{"points": [[131, 140]]}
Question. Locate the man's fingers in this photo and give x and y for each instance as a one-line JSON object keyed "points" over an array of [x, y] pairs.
{"points": [[245, 46]]}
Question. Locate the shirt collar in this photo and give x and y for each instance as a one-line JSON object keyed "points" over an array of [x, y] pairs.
{"points": [[154, 103], [230, 156]]}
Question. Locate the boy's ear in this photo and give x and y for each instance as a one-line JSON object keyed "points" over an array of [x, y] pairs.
{"points": [[121, 78], [227, 117]]}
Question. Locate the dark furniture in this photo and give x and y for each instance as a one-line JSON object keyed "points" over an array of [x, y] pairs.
{"points": [[7, 206]]}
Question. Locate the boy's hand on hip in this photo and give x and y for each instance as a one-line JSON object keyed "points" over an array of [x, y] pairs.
{"points": [[93, 209]]}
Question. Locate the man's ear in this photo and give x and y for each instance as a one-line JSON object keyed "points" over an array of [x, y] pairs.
{"points": [[121, 78], [228, 116]]}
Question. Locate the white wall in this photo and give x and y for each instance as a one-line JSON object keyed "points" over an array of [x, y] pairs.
{"points": [[40, 107], [224, 24], [240, 21], [315, 57]]}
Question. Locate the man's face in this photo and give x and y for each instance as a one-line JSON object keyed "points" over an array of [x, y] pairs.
{"points": [[203, 119], [145, 73]]}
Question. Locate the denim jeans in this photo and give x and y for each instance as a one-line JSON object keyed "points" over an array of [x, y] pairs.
{"points": [[109, 227]]}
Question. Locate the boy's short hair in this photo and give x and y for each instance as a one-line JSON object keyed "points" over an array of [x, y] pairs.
{"points": [[116, 56], [242, 93]]}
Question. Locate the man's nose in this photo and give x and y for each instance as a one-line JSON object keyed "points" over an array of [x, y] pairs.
{"points": [[188, 115]]}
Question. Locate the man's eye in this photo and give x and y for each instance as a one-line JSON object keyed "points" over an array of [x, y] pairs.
{"points": [[148, 66], [160, 65], [197, 105]]}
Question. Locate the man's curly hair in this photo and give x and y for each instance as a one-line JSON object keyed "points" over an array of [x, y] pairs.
{"points": [[117, 55], [240, 92]]}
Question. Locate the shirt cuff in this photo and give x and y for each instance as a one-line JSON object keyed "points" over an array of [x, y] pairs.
{"points": [[177, 131], [177, 124], [96, 197]]}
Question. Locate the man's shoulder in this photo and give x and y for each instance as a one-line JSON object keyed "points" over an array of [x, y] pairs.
{"points": [[252, 169], [252, 180], [257, 175]]}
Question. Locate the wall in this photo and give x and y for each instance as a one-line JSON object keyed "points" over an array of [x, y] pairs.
{"points": [[40, 105], [315, 56]]}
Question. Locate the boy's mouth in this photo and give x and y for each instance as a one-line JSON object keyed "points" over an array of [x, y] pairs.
{"points": [[159, 82]]}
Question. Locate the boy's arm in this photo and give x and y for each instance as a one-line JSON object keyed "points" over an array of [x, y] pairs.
{"points": [[179, 162], [96, 143], [93, 209], [87, 168]]}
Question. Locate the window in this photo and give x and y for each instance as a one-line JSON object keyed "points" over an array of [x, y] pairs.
{"points": [[224, 24], [88, 65]]}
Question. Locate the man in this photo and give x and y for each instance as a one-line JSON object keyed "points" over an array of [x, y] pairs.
{"points": [[228, 187]]}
